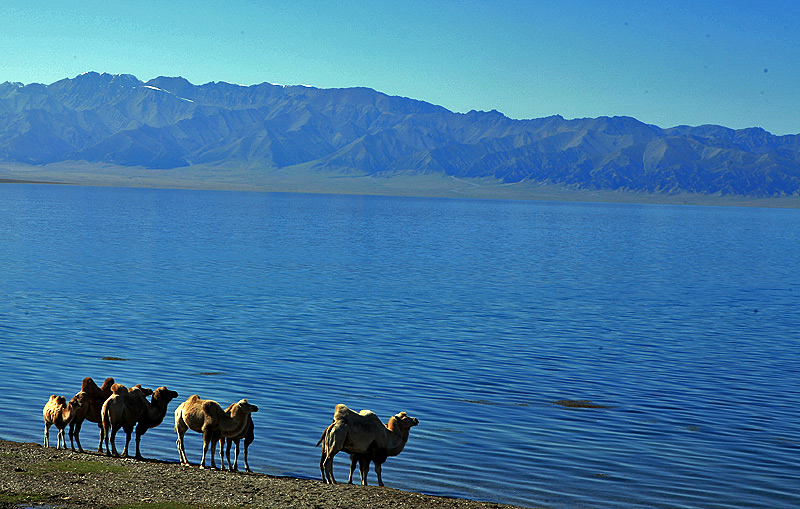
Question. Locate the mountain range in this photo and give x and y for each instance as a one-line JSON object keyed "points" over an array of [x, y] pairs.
{"points": [[169, 123]]}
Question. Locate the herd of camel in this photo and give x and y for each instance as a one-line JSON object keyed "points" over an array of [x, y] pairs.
{"points": [[113, 406]]}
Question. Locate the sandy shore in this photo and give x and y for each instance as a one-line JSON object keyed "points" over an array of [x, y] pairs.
{"points": [[436, 185], [31, 474]]}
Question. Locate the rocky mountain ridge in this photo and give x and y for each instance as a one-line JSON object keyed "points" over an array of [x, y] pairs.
{"points": [[169, 123]]}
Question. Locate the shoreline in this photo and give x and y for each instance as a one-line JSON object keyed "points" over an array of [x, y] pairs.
{"points": [[33, 474], [304, 181]]}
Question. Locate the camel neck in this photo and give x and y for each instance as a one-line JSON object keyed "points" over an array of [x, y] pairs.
{"points": [[235, 424], [397, 439]]}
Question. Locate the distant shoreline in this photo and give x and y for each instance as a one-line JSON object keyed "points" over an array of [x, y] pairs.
{"points": [[19, 181], [424, 186]]}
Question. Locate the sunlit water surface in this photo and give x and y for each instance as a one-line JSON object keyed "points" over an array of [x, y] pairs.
{"points": [[473, 316]]}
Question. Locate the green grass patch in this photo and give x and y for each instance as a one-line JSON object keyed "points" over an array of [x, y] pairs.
{"points": [[76, 467], [22, 498]]}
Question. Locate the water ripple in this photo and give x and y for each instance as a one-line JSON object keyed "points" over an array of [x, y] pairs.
{"points": [[472, 316]]}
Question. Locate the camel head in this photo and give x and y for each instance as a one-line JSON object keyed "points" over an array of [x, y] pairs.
{"points": [[242, 406], [402, 421], [145, 390], [79, 400], [164, 394]]}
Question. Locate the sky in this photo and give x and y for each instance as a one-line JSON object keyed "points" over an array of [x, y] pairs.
{"points": [[668, 63]]}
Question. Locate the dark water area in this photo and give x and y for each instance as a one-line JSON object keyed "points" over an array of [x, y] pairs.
{"points": [[679, 324]]}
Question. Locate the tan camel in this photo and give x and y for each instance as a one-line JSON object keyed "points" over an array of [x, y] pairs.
{"points": [[90, 411], [123, 410], [365, 438], [59, 413], [248, 435], [207, 417], [154, 414]]}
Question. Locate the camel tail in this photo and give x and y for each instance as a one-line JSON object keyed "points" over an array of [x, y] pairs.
{"points": [[178, 415], [324, 434]]}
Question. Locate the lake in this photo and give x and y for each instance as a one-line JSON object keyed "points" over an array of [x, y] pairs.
{"points": [[489, 321]]}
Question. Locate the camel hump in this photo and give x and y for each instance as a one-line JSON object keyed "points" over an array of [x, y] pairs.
{"points": [[342, 413], [209, 405], [60, 400], [88, 385], [118, 389]]}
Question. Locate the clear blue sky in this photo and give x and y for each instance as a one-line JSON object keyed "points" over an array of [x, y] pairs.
{"points": [[664, 62]]}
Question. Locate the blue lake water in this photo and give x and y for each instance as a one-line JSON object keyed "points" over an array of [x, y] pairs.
{"points": [[473, 316]]}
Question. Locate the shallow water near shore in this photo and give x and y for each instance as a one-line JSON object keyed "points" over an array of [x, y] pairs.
{"points": [[565, 355]]}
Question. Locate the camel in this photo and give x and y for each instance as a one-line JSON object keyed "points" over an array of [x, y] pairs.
{"points": [[154, 414], [365, 438], [90, 411], [59, 413], [248, 434], [123, 410], [207, 417]]}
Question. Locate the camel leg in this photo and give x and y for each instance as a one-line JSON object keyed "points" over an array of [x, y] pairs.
{"points": [[205, 450], [378, 473], [61, 439], [228, 443], [75, 433], [235, 456], [222, 452], [214, 440], [246, 464], [327, 470], [180, 429], [353, 462], [181, 452], [322, 459], [46, 435], [113, 438], [363, 469], [105, 439], [138, 439], [102, 437], [127, 442], [208, 442]]}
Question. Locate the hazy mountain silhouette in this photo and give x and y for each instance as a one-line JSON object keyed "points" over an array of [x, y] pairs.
{"points": [[171, 123]]}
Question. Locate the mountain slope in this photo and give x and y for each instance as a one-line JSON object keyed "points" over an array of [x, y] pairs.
{"points": [[169, 123]]}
